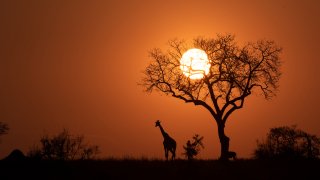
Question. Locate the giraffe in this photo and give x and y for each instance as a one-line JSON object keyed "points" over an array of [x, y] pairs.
{"points": [[169, 144]]}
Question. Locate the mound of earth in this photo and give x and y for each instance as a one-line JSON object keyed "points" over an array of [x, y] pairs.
{"points": [[15, 155]]}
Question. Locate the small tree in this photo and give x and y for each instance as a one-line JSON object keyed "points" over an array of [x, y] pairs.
{"points": [[288, 142], [193, 148], [4, 128], [235, 73], [63, 146]]}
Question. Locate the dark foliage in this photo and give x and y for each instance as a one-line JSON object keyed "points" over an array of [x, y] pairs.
{"points": [[192, 149], [63, 146], [4, 128], [288, 143]]}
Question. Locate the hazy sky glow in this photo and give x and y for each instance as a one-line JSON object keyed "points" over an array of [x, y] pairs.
{"points": [[76, 64]]}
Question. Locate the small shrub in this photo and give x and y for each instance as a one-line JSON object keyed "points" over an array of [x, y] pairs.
{"points": [[63, 146], [193, 148]]}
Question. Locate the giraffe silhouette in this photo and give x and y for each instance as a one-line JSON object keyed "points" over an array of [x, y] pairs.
{"points": [[169, 144]]}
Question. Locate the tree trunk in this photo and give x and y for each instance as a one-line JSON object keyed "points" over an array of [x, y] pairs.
{"points": [[224, 142]]}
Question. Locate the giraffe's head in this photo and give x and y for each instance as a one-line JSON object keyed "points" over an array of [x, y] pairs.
{"points": [[157, 123]]}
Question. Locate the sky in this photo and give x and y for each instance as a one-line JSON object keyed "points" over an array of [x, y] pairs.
{"points": [[75, 64]]}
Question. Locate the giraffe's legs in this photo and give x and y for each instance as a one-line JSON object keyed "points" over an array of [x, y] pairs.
{"points": [[166, 153], [172, 151], [173, 154]]}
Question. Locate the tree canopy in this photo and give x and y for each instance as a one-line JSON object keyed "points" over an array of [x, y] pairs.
{"points": [[235, 72], [288, 142]]}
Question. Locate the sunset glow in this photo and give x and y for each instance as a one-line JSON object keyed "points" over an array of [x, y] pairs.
{"points": [[79, 65], [195, 64]]}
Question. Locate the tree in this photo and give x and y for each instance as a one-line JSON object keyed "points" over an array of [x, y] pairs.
{"points": [[192, 149], [4, 128], [63, 146], [235, 73], [288, 143]]}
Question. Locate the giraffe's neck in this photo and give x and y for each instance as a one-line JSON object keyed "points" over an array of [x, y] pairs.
{"points": [[164, 134]]}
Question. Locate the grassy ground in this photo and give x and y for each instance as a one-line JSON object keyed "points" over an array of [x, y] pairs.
{"points": [[157, 169]]}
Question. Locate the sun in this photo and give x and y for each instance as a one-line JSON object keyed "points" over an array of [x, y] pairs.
{"points": [[195, 63]]}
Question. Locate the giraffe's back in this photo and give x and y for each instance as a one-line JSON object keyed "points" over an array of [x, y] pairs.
{"points": [[170, 142]]}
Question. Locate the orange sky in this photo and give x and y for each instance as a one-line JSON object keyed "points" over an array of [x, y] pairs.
{"points": [[76, 64]]}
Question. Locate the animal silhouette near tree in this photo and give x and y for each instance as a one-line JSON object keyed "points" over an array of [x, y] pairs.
{"points": [[169, 144], [235, 73]]}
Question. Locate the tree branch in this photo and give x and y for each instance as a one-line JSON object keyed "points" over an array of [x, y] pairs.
{"points": [[235, 71]]}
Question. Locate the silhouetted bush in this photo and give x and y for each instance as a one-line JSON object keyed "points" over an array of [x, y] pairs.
{"points": [[192, 149], [63, 146], [288, 143]]}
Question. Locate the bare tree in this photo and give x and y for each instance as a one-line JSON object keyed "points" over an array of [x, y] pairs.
{"points": [[235, 73]]}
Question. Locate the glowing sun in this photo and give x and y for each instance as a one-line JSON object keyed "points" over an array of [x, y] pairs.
{"points": [[195, 63]]}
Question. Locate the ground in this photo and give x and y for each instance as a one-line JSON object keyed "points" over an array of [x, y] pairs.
{"points": [[158, 169]]}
